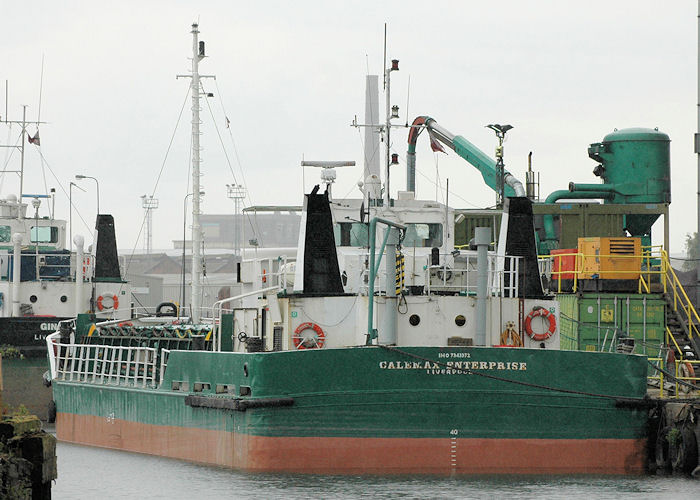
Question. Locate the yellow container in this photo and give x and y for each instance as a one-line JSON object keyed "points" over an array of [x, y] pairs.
{"points": [[610, 258]]}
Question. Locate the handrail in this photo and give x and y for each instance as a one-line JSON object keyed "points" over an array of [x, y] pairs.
{"points": [[691, 315], [97, 363], [670, 338], [660, 376], [216, 340], [680, 387]]}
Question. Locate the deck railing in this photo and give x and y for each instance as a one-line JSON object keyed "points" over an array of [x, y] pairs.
{"points": [[102, 364]]}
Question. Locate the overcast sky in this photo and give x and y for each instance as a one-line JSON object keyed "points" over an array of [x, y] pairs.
{"points": [[290, 77]]}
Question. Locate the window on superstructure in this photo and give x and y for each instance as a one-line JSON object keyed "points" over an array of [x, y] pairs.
{"points": [[423, 235], [351, 234], [5, 234], [44, 234]]}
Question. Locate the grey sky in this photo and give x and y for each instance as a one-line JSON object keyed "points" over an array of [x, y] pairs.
{"points": [[290, 76]]}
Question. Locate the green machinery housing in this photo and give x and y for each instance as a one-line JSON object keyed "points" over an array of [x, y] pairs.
{"points": [[633, 163]]}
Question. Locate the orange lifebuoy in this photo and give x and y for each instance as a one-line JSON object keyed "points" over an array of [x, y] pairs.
{"points": [[102, 307], [546, 314], [302, 342], [264, 278]]}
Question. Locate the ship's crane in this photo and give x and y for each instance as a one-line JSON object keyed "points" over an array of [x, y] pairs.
{"points": [[476, 157]]}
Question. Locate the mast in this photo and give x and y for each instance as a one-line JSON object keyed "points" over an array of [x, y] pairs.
{"points": [[196, 199], [391, 112], [197, 55], [21, 162]]}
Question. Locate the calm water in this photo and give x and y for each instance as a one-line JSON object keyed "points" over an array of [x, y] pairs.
{"points": [[90, 473]]}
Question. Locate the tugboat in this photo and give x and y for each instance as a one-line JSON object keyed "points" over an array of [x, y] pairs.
{"points": [[43, 282]]}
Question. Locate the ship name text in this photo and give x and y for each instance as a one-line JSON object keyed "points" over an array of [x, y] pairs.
{"points": [[453, 367]]}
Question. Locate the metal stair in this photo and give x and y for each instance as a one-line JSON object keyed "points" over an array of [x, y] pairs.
{"points": [[683, 338]]}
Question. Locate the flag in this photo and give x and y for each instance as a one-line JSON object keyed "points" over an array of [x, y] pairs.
{"points": [[228, 122], [35, 139], [434, 144]]}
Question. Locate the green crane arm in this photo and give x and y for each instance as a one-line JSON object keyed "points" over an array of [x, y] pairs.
{"points": [[465, 149]]}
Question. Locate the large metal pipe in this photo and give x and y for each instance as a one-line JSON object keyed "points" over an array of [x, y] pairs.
{"points": [[482, 238], [604, 188], [563, 194], [374, 269], [510, 180], [389, 335]]}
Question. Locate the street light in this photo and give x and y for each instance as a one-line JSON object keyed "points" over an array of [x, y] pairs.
{"points": [[237, 193], [184, 234], [70, 211], [78, 176]]}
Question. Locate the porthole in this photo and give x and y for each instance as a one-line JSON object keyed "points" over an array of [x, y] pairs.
{"points": [[32, 299], [460, 320], [414, 319], [64, 298]]}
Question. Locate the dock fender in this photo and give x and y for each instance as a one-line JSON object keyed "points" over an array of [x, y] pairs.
{"points": [[662, 449], [46, 378], [683, 449], [51, 418]]}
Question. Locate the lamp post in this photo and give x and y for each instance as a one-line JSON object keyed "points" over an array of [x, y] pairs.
{"points": [[78, 176], [184, 235], [70, 212], [237, 193]]}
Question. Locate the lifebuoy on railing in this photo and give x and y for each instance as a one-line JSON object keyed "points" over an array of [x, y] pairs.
{"points": [[102, 306], [545, 314], [306, 341]]}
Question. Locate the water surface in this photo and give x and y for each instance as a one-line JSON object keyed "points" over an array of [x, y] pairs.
{"points": [[89, 473]]}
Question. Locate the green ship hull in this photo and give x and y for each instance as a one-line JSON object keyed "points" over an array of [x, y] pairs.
{"points": [[377, 410]]}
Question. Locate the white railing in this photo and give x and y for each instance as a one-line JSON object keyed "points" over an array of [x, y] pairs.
{"points": [[164, 355], [103, 364], [464, 279], [219, 305]]}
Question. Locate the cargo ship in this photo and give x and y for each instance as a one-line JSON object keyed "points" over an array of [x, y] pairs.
{"points": [[385, 348]]}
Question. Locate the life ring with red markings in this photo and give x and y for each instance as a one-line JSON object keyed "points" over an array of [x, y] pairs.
{"points": [[309, 342], [545, 314], [100, 302]]}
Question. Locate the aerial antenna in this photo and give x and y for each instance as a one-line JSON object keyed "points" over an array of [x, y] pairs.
{"points": [[41, 86], [408, 96], [500, 166], [384, 62]]}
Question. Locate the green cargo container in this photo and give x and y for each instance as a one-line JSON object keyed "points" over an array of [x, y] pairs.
{"points": [[606, 316], [568, 322]]}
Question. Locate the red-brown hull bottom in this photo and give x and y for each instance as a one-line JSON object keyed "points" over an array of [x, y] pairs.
{"points": [[343, 455]]}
